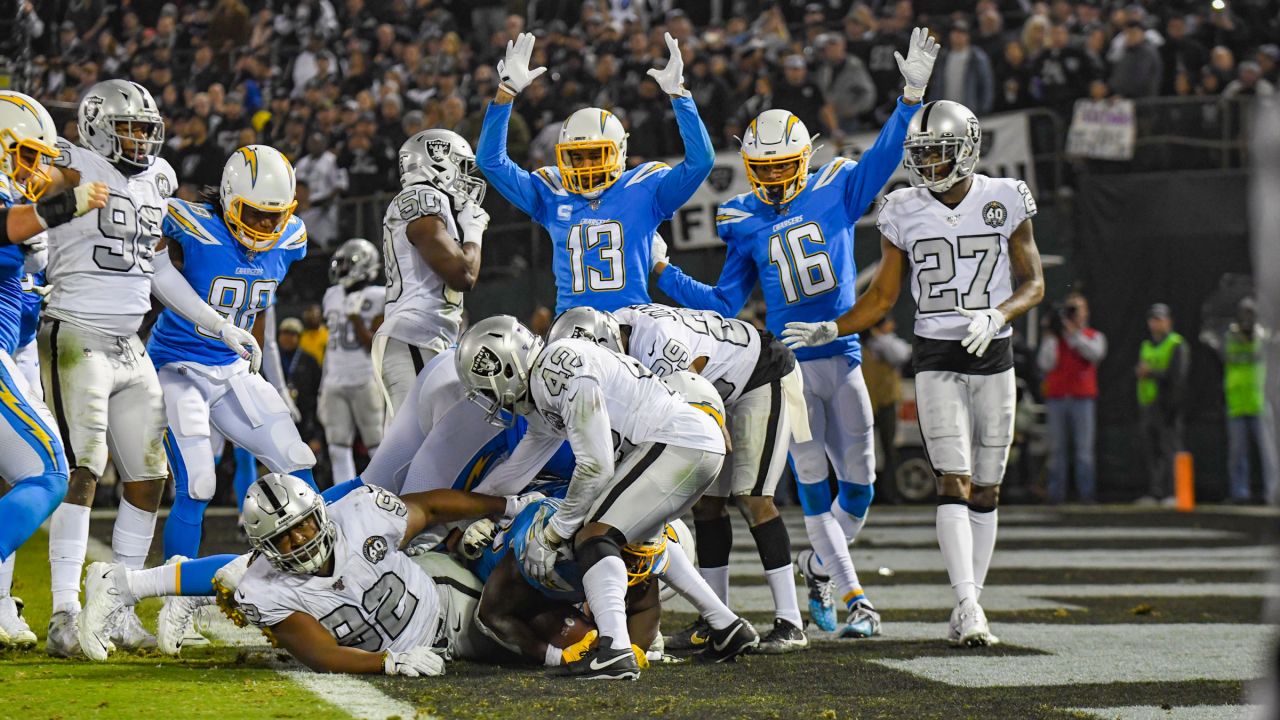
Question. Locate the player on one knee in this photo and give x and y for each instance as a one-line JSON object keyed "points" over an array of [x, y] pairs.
{"points": [[967, 242], [794, 235]]}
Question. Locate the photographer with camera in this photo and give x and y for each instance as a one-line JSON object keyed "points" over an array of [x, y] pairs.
{"points": [[1069, 356]]}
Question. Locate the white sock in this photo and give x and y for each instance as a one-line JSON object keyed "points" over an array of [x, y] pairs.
{"points": [[342, 463], [955, 538], [983, 526], [6, 574], [782, 585], [829, 545], [605, 586], [68, 542], [684, 579], [849, 524], [159, 581], [131, 536], [718, 580]]}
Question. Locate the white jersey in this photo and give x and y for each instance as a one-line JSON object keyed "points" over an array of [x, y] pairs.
{"points": [[959, 257], [421, 309], [667, 339], [346, 361], [377, 598], [100, 264]]}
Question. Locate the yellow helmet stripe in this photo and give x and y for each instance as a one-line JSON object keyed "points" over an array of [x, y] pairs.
{"points": [[251, 157], [791, 122], [23, 103]]}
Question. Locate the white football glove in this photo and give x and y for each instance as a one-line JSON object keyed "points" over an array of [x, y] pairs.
{"points": [[353, 304], [918, 65], [42, 290], [418, 662], [671, 77], [513, 70], [477, 537], [35, 254], [473, 221], [541, 555], [803, 334], [658, 251], [91, 196], [241, 341], [983, 326], [516, 503]]}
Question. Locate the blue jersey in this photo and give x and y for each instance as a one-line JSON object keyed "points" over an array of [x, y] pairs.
{"points": [[567, 575], [12, 298], [236, 282], [600, 247], [551, 481], [802, 252], [31, 304]]}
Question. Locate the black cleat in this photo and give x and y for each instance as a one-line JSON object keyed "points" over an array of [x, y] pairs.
{"points": [[601, 663], [693, 637], [727, 644], [783, 638]]}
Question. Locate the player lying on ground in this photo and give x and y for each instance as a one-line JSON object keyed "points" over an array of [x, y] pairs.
{"points": [[966, 240]]}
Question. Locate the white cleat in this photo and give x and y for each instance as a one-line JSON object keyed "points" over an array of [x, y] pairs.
{"points": [[103, 605], [14, 631], [953, 626], [61, 640], [176, 623], [972, 628], [128, 633]]}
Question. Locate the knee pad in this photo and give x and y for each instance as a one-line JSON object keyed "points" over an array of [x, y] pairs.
{"points": [[815, 498], [54, 482], [855, 498]]}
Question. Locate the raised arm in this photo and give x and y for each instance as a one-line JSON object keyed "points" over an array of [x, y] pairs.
{"points": [[729, 294], [677, 186], [872, 305], [513, 182]]}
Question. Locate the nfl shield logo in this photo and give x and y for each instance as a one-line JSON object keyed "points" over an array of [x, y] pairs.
{"points": [[438, 149], [721, 177]]}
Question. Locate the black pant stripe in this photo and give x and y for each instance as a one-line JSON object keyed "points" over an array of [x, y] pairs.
{"points": [[416, 354], [770, 438], [630, 478]]}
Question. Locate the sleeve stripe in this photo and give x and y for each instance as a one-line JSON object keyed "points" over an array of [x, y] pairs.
{"points": [[727, 216], [550, 181], [192, 227], [830, 174], [647, 171]]}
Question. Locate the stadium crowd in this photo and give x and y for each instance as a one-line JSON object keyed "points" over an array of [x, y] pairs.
{"points": [[338, 84]]}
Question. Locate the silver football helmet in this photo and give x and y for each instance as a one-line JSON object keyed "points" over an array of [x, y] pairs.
{"points": [[275, 505], [493, 361], [444, 159], [942, 145], [119, 120], [355, 261], [597, 326]]}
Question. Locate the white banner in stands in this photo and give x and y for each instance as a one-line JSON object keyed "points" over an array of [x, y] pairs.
{"points": [[1006, 152], [1102, 129]]}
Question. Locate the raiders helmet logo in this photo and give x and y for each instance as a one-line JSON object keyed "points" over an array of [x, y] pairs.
{"points": [[438, 149], [486, 363], [375, 548], [994, 214], [721, 177], [975, 131], [92, 108]]}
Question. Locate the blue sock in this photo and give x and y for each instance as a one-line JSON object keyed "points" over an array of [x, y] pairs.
{"points": [[339, 491], [28, 504], [246, 473], [815, 498], [195, 577], [183, 526], [305, 474]]}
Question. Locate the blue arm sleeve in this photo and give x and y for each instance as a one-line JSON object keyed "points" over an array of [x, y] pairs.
{"points": [[878, 162], [10, 259], [730, 293], [676, 187], [512, 181]]}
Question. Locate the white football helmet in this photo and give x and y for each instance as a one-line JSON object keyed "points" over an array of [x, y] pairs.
{"points": [[277, 503], [592, 151], [698, 392], [597, 326], [943, 142], [355, 261], [28, 141], [776, 148], [115, 112], [494, 360], [257, 194], [444, 159]]}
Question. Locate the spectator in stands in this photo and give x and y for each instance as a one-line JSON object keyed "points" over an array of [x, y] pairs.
{"points": [[1014, 78], [315, 336], [199, 160], [990, 36], [1163, 363], [1241, 349], [884, 354], [844, 80], [1069, 356], [1268, 58], [1222, 64], [1138, 71], [966, 75], [1249, 82], [326, 183], [1180, 53], [797, 93], [302, 373], [1062, 73]]}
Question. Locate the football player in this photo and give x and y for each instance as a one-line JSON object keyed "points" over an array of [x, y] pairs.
{"points": [[602, 217], [967, 242], [598, 400], [350, 397], [431, 237], [757, 380], [223, 259], [33, 467], [793, 233], [387, 611]]}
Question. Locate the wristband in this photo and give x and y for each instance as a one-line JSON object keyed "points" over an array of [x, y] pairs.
{"points": [[507, 89], [913, 93], [56, 210]]}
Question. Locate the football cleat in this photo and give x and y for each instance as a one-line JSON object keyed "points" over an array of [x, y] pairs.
{"points": [[783, 638], [953, 626], [103, 605], [601, 662], [973, 629], [693, 637], [822, 606], [129, 634], [176, 626], [863, 622], [727, 644], [62, 640], [14, 631]]}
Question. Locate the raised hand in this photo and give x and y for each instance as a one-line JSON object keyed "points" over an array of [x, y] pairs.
{"points": [[917, 66], [513, 70], [671, 77]]}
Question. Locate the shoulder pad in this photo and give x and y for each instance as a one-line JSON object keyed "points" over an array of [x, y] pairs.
{"points": [[295, 234], [647, 171], [420, 200], [190, 218], [828, 172], [550, 177]]}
